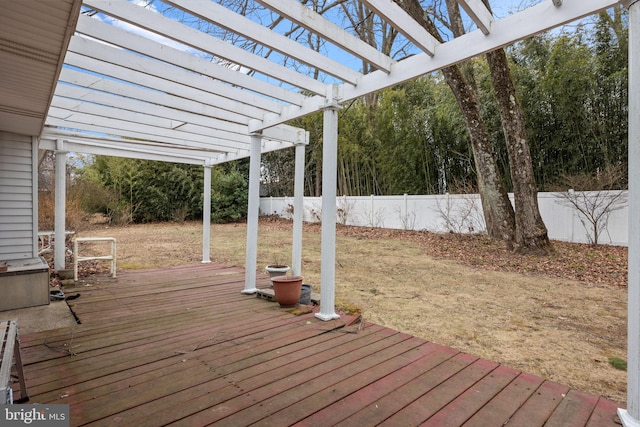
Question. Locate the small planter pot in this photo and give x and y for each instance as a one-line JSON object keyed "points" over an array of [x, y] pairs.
{"points": [[287, 290], [305, 295], [275, 270], [66, 274]]}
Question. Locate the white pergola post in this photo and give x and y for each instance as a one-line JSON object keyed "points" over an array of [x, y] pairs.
{"points": [[298, 211], [206, 214], [59, 248], [631, 416], [252, 215], [328, 236]]}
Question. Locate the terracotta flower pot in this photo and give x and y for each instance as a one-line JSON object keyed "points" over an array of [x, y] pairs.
{"points": [[287, 290]]}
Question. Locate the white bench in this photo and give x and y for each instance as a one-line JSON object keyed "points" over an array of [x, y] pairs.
{"points": [[77, 258], [10, 350]]}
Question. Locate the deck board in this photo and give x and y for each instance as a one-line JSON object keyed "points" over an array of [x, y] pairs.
{"points": [[183, 346], [429, 404], [473, 399], [499, 410]]}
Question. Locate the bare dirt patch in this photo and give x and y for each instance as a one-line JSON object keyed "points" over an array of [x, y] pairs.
{"points": [[561, 316]]}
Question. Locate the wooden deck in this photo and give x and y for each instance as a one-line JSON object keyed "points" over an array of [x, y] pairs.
{"points": [[184, 347]]}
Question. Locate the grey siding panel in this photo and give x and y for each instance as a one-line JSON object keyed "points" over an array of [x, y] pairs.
{"points": [[10, 160], [12, 192], [11, 167], [8, 226], [18, 152], [16, 204], [12, 234], [15, 252], [16, 197], [19, 174], [17, 212], [10, 182]]}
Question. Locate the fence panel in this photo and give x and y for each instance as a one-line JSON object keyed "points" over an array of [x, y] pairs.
{"points": [[459, 213]]}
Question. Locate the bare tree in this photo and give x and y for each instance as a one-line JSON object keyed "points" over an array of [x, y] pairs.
{"points": [[530, 231], [594, 208], [461, 215], [596, 198], [498, 212]]}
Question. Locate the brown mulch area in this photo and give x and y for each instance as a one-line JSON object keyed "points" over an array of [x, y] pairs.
{"points": [[595, 264]]}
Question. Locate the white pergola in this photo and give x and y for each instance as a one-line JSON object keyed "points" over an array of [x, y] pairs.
{"points": [[112, 77]]}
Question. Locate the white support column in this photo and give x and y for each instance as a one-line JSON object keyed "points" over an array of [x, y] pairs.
{"points": [[252, 215], [60, 207], [329, 184], [35, 143], [631, 416], [298, 211], [206, 214]]}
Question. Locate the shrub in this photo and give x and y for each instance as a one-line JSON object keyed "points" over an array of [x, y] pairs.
{"points": [[229, 196]]}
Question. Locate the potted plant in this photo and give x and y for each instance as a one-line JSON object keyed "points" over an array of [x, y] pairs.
{"points": [[287, 290], [275, 270]]}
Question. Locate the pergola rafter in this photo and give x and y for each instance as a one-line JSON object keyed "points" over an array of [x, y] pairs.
{"points": [[534, 20], [144, 46], [479, 13], [196, 39], [392, 13], [223, 17], [316, 23], [143, 72]]}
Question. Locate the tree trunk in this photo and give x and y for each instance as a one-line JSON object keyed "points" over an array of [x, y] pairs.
{"points": [[498, 212], [530, 231]]}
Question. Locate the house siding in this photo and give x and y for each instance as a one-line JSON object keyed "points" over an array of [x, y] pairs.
{"points": [[18, 200]]}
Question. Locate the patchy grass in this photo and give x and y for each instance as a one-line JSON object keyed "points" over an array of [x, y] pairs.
{"points": [[559, 316], [618, 363]]}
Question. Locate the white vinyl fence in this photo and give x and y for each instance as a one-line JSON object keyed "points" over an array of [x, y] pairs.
{"points": [[463, 213]]}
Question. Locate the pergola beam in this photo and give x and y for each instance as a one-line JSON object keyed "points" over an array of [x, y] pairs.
{"points": [[116, 125], [156, 23], [75, 98], [92, 84], [223, 17], [145, 71], [117, 147], [534, 20], [152, 82], [128, 150], [316, 23], [118, 37], [479, 13], [393, 14], [114, 94]]}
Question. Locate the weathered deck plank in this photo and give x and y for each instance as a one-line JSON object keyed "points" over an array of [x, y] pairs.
{"points": [[183, 346], [366, 395], [473, 399], [499, 410]]}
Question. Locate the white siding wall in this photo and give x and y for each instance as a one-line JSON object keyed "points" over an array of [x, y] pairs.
{"points": [[18, 199], [444, 213]]}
